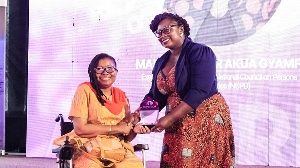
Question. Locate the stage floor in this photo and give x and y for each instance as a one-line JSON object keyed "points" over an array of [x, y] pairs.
{"points": [[13, 161]]}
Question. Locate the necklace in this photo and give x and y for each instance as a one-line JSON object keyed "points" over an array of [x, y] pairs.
{"points": [[107, 94], [107, 97]]}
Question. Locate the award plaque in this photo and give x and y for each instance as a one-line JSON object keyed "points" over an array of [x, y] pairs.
{"points": [[149, 112]]}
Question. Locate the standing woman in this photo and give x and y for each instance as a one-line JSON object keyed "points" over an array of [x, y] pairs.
{"points": [[101, 115], [198, 128]]}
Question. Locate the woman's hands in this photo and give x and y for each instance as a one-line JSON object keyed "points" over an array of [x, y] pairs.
{"points": [[140, 129], [160, 125], [133, 118], [125, 127], [178, 112], [163, 123], [129, 132]]}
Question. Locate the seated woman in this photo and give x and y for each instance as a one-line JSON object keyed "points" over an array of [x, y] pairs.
{"points": [[101, 115]]}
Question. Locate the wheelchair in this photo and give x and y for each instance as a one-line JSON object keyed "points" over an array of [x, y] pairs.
{"points": [[64, 153]]}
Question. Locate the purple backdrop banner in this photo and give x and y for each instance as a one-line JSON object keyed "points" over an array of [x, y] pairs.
{"points": [[256, 42]]}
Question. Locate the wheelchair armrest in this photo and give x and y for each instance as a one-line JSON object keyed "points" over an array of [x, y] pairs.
{"points": [[140, 147], [56, 150]]}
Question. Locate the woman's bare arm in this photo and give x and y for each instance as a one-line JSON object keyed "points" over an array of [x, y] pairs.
{"points": [[83, 129]]}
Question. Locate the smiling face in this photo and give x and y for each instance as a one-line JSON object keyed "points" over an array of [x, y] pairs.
{"points": [[106, 79], [171, 35]]}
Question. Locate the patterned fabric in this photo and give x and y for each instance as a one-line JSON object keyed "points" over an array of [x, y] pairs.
{"points": [[202, 139], [86, 106]]}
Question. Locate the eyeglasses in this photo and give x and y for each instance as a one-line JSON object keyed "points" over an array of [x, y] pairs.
{"points": [[165, 30], [109, 69]]}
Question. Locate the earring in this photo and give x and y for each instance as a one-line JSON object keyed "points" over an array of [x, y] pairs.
{"points": [[181, 35]]}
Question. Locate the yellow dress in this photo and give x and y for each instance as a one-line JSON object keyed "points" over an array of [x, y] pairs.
{"points": [[85, 105]]}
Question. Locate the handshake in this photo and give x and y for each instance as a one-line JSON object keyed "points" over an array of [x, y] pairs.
{"points": [[146, 115]]}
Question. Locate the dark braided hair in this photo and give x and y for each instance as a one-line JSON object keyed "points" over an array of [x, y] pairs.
{"points": [[92, 74], [180, 21]]}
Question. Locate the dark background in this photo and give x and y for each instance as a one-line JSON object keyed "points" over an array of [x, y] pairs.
{"points": [[16, 75]]}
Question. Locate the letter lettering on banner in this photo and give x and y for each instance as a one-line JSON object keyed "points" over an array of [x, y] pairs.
{"points": [[252, 133]]}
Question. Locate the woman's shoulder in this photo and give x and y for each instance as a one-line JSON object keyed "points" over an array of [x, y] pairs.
{"points": [[196, 45], [84, 87], [198, 51]]}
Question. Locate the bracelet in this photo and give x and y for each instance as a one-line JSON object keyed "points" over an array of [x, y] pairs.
{"points": [[109, 131]]}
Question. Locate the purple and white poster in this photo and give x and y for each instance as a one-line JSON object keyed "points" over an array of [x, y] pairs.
{"points": [[257, 44]]}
